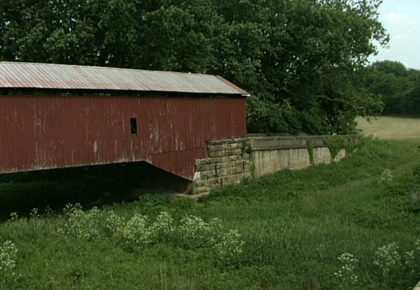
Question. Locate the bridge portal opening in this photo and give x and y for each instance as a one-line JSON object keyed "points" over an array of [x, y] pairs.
{"points": [[89, 186]]}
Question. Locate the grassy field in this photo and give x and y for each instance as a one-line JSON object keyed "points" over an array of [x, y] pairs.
{"points": [[390, 127], [285, 231]]}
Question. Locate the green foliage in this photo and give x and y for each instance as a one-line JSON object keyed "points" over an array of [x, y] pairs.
{"points": [[301, 60], [268, 117], [397, 85], [338, 143], [311, 65], [246, 147], [310, 145]]}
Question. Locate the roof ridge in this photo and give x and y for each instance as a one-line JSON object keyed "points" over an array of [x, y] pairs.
{"points": [[32, 75], [102, 67]]}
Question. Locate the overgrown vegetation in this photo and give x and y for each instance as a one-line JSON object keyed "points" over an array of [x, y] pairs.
{"points": [[310, 144], [350, 225], [338, 143], [138, 232], [300, 59]]}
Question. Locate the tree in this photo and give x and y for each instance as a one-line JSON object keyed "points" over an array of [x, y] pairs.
{"points": [[396, 85], [300, 59]]}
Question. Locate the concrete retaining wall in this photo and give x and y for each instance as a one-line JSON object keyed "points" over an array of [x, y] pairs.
{"points": [[235, 160], [273, 153]]}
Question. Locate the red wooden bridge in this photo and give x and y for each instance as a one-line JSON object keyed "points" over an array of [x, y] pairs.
{"points": [[58, 116]]}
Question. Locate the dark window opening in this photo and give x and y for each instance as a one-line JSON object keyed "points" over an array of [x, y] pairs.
{"points": [[133, 125]]}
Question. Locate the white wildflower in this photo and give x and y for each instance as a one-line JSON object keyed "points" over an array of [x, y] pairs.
{"points": [[14, 216], [229, 248], [194, 232], [136, 230], [347, 274], [386, 176], [81, 224], [8, 253], [163, 227], [387, 257], [113, 223]]}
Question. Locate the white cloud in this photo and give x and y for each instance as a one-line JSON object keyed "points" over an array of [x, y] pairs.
{"points": [[395, 17], [402, 21]]}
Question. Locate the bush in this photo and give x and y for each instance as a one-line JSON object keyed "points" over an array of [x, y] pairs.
{"points": [[82, 224], [136, 232]]}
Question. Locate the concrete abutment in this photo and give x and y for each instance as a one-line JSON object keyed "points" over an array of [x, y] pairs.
{"points": [[232, 161]]}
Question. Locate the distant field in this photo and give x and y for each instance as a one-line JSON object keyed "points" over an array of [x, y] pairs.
{"points": [[390, 127]]}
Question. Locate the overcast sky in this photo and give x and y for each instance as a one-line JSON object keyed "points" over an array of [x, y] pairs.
{"points": [[401, 18]]}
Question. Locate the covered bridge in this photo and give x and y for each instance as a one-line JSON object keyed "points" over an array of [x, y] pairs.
{"points": [[58, 116]]}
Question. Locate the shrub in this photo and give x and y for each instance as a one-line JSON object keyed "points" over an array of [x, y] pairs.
{"points": [[229, 249], [81, 224], [163, 228], [136, 231], [113, 223], [193, 232]]}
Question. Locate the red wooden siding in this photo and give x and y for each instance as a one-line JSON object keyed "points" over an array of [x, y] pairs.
{"points": [[45, 132]]}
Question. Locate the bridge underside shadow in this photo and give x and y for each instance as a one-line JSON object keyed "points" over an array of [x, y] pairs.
{"points": [[90, 186]]}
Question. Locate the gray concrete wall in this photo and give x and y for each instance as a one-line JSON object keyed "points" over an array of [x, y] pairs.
{"points": [[235, 160], [274, 153], [270, 161]]}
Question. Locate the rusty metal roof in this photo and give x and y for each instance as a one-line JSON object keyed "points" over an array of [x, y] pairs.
{"points": [[15, 75]]}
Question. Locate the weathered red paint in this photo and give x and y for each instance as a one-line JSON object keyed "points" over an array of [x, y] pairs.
{"points": [[45, 132]]}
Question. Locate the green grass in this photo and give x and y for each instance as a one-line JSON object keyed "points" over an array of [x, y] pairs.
{"points": [[294, 224]]}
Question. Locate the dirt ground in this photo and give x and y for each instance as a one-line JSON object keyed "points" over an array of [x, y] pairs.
{"points": [[390, 127]]}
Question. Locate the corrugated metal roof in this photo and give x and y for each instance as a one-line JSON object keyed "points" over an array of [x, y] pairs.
{"points": [[68, 77]]}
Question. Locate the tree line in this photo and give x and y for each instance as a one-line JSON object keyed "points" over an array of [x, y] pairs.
{"points": [[300, 59], [398, 86]]}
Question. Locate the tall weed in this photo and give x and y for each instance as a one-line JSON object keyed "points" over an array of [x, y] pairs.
{"points": [[8, 253], [391, 268], [82, 224]]}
